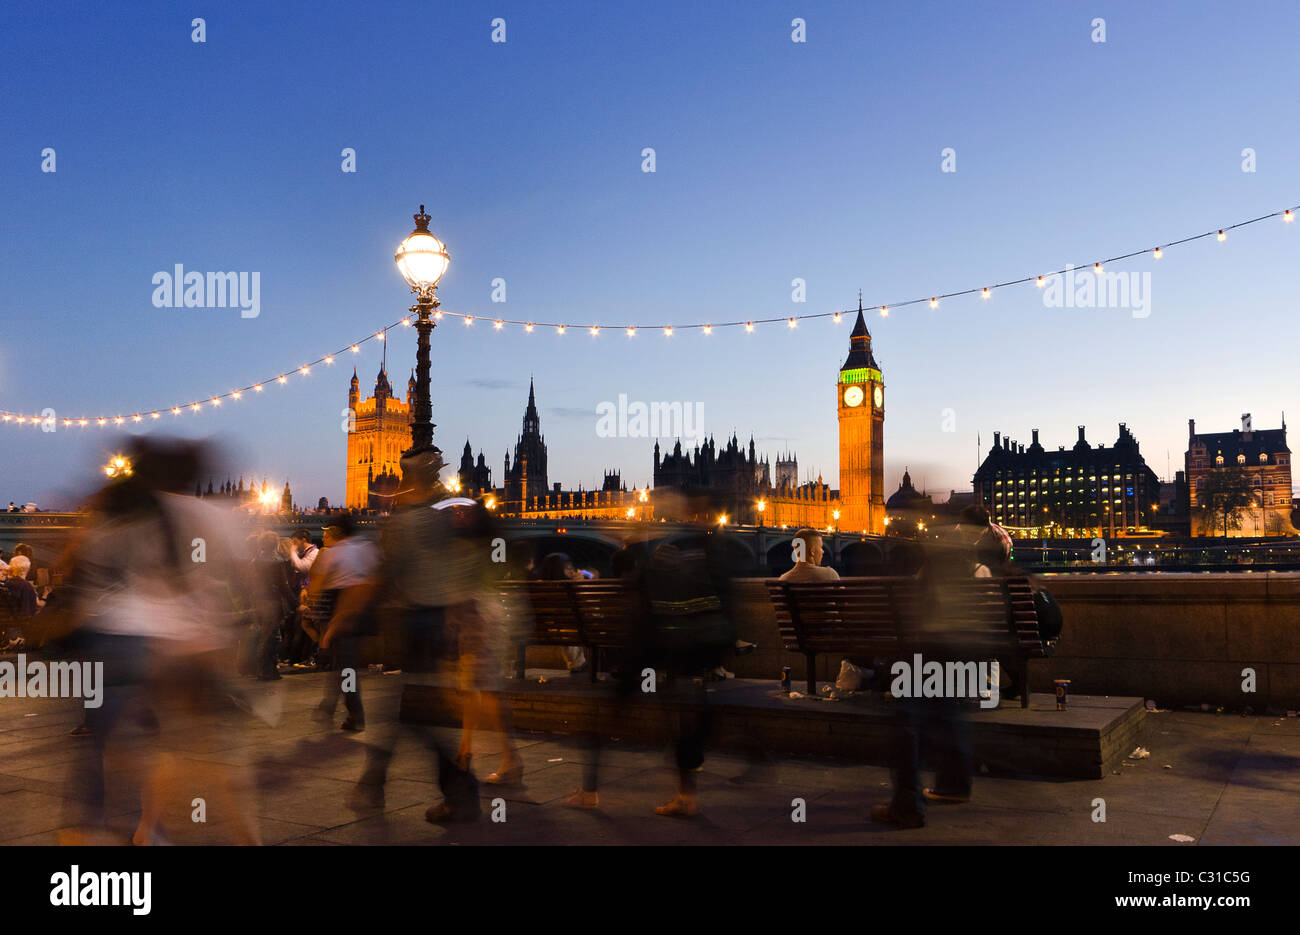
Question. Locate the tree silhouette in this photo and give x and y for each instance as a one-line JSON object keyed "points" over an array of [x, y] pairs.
{"points": [[1222, 498]]}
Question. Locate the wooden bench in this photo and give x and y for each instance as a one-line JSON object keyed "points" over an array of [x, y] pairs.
{"points": [[595, 614], [893, 618]]}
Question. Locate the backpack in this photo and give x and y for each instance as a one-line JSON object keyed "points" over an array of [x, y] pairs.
{"points": [[685, 609], [1050, 618]]}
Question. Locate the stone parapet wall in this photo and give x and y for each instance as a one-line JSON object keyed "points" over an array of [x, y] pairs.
{"points": [[1179, 639]]}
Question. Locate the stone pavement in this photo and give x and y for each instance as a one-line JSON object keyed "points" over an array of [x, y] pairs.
{"points": [[1231, 780]]}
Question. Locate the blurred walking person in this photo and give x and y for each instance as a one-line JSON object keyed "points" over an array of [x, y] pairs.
{"points": [[347, 572], [481, 627], [270, 599], [149, 596], [429, 575]]}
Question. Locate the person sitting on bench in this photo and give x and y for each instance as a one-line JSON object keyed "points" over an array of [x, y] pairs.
{"points": [[807, 548]]}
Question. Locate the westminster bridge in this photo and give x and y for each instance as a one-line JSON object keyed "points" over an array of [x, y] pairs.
{"points": [[591, 543], [755, 550]]}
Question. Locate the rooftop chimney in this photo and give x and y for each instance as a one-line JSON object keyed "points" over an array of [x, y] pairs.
{"points": [[997, 439], [1081, 433]]}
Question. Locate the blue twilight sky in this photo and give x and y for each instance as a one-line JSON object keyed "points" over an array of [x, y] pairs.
{"points": [[774, 160]]}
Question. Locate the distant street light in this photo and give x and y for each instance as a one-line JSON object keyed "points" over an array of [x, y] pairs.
{"points": [[118, 466]]}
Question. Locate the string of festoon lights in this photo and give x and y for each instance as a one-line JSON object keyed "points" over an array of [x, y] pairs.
{"points": [[303, 370], [631, 330]]}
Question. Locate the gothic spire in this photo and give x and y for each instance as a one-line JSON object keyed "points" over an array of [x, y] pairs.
{"points": [[860, 345]]}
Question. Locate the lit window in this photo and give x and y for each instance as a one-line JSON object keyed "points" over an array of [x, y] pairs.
{"points": [[1241, 459], [1263, 457], [1218, 460]]}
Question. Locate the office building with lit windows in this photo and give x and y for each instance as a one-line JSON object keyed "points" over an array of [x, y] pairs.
{"points": [[1084, 491]]}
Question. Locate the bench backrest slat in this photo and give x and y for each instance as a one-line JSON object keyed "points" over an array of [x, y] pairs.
{"points": [[883, 616]]}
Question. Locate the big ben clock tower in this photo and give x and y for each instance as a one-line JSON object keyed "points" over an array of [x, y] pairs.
{"points": [[861, 393]]}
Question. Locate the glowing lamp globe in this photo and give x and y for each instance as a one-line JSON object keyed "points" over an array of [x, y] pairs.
{"points": [[422, 258]]}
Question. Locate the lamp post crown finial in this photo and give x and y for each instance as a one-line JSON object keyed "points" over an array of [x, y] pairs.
{"points": [[421, 220]]}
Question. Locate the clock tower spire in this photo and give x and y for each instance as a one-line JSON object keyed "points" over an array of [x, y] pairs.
{"points": [[861, 407]]}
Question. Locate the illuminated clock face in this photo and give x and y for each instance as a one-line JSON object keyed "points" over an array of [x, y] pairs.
{"points": [[878, 395], [853, 396]]}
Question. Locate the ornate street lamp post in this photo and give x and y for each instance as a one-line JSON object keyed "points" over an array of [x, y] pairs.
{"points": [[422, 259]]}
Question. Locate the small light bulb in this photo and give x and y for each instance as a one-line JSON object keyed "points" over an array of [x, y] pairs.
{"points": [[498, 324], [1222, 236], [528, 327], [379, 335], [593, 329], [176, 410], [196, 407], [283, 378], [749, 326], [631, 332], [1096, 268], [792, 323], [406, 322], [303, 370], [708, 329], [1288, 216], [1159, 253], [257, 388], [934, 303], [215, 401], [560, 329], [355, 349], [1039, 282], [330, 359], [137, 418], [153, 415], [836, 318], [668, 332], [469, 320], [884, 311]]}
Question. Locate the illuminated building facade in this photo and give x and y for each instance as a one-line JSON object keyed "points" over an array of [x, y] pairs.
{"points": [[1085, 491], [860, 391], [379, 431], [1262, 456]]}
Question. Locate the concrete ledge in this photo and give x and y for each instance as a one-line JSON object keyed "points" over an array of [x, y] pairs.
{"points": [[1085, 742]]}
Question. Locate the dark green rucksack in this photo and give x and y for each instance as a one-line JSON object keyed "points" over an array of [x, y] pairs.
{"points": [[685, 608]]}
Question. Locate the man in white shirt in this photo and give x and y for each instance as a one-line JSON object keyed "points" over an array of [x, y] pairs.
{"points": [[300, 552], [349, 569], [807, 547]]}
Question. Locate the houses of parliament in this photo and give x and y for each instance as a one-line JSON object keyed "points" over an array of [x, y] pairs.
{"points": [[702, 485], [734, 482], [379, 431]]}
